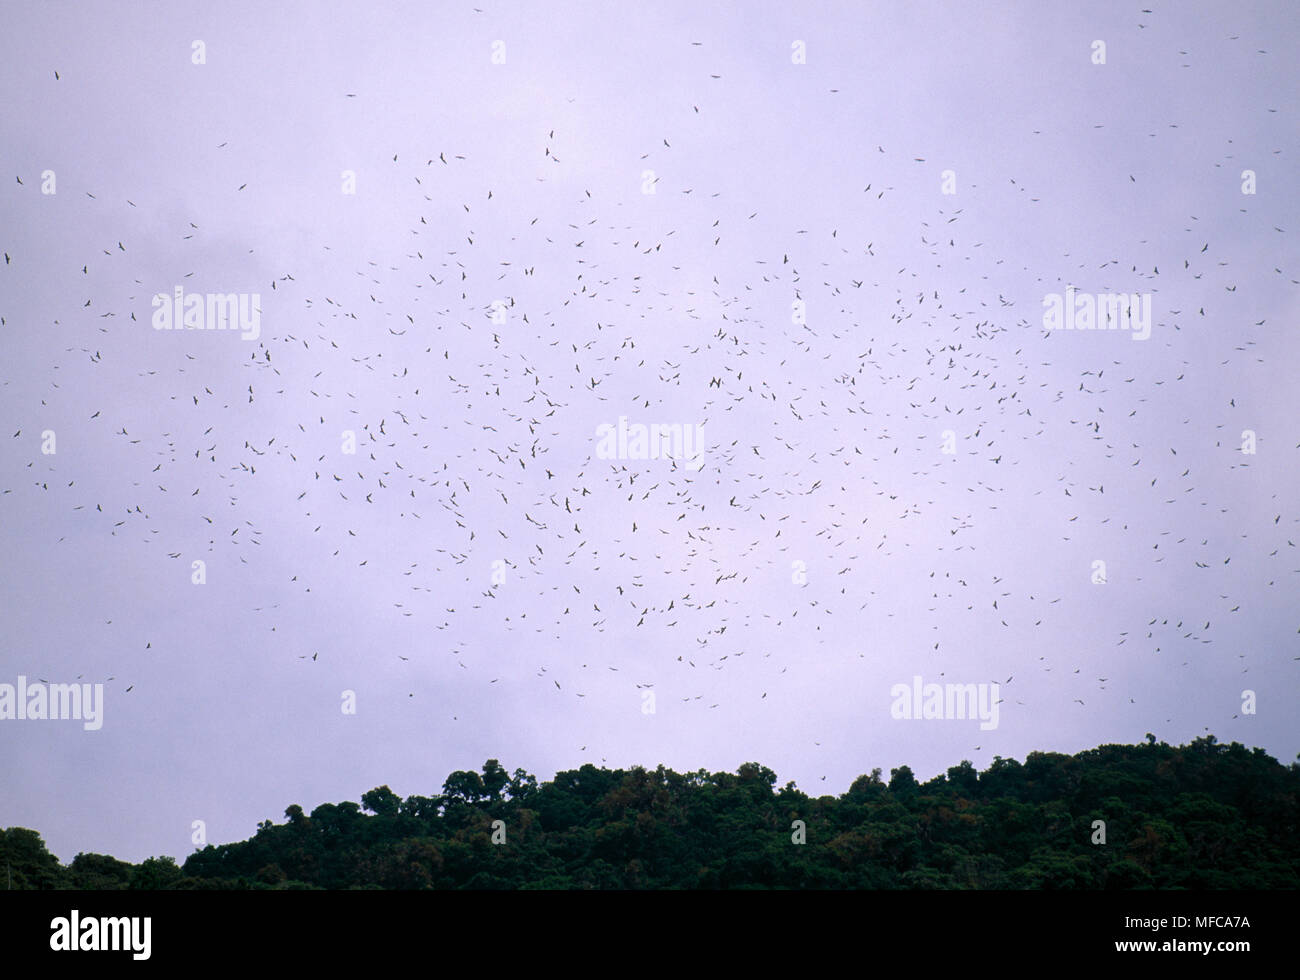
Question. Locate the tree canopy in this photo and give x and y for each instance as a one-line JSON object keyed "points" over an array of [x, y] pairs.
{"points": [[1198, 816]]}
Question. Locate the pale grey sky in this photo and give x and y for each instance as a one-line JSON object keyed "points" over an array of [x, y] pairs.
{"points": [[774, 181]]}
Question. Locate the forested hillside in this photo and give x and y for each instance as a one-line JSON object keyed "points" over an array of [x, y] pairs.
{"points": [[1198, 816]]}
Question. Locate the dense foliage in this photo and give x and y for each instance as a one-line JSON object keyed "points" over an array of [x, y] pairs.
{"points": [[1199, 816]]}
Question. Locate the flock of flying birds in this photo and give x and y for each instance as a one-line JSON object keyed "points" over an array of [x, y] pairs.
{"points": [[825, 369]]}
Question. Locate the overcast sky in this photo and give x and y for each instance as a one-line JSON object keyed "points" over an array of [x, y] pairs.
{"points": [[821, 238]]}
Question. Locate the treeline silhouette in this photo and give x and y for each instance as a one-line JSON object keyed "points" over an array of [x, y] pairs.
{"points": [[1198, 816]]}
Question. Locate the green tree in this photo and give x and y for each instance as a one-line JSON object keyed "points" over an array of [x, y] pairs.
{"points": [[381, 801], [495, 779], [464, 787], [964, 778], [26, 863], [98, 872], [155, 874], [902, 782]]}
